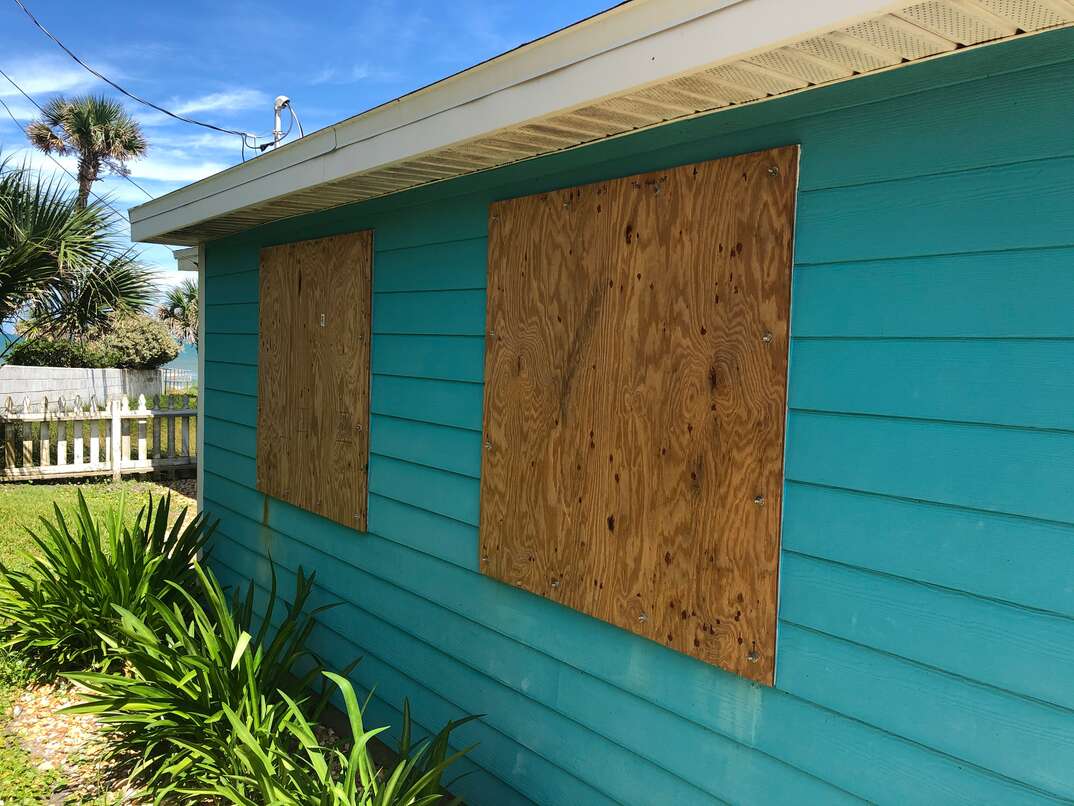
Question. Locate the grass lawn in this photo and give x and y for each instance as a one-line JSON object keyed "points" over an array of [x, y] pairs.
{"points": [[23, 504]]}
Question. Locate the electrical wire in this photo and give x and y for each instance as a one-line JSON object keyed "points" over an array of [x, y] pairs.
{"points": [[246, 136], [294, 114], [60, 165], [41, 109]]}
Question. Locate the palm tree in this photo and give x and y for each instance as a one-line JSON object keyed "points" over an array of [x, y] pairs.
{"points": [[97, 129], [179, 311], [62, 273]]}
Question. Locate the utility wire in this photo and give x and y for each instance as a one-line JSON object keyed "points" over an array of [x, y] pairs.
{"points": [[41, 109], [246, 136], [60, 165]]}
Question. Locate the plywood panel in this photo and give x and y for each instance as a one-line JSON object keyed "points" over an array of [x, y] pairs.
{"points": [[635, 388], [313, 375]]}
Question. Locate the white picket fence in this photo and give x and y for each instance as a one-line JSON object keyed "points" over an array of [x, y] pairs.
{"points": [[71, 440], [174, 379]]}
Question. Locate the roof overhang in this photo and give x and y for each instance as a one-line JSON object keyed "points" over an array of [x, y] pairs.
{"points": [[187, 259], [643, 63]]}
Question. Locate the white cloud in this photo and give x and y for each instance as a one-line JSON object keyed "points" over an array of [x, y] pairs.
{"points": [[22, 110], [42, 76], [355, 73], [163, 169], [34, 160], [208, 141], [168, 277], [228, 100]]}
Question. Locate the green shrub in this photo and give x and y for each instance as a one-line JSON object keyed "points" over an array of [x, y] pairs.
{"points": [[296, 770], [60, 604], [209, 710], [128, 341], [46, 352], [181, 678], [138, 341]]}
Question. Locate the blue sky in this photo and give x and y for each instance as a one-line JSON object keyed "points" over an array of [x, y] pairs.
{"points": [[224, 62]]}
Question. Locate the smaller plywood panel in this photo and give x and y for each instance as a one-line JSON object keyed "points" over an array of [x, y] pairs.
{"points": [[313, 375], [635, 397]]}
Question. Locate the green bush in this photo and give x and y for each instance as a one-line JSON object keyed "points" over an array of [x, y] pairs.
{"points": [[129, 341], [299, 771], [209, 710], [45, 352], [168, 710], [138, 342], [59, 606]]}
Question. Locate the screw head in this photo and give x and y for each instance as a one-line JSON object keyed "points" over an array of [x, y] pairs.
{"points": [[766, 337], [759, 500], [488, 445], [753, 656], [643, 617], [555, 583], [773, 170]]}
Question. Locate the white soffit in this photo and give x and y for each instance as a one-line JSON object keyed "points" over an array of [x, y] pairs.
{"points": [[640, 64]]}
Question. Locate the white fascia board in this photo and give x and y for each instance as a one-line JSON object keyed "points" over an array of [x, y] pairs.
{"points": [[604, 56]]}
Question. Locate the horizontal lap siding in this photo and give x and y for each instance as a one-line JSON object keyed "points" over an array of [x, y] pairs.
{"points": [[927, 601]]}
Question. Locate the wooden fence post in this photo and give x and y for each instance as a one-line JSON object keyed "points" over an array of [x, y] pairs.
{"points": [[117, 442]]}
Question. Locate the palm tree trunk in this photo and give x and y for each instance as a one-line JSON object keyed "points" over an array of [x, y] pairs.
{"points": [[87, 175]]}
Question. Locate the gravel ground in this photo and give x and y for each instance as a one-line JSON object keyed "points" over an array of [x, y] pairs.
{"points": [[66, 744]]}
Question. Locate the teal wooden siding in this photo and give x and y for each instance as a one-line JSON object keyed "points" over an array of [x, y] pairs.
{"points": [[926, 644]]}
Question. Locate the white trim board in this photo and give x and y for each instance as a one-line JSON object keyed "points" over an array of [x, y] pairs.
{"points": [[640, 64]]}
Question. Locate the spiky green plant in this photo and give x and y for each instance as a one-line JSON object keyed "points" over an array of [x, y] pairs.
{"points": [[295, 769], [198, 660], [58, 605]]}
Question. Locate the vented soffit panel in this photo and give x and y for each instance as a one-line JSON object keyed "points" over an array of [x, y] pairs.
{"points": [[339, 165]]}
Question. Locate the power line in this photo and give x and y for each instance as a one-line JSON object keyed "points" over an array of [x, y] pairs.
{"points": [[60, 164], [41, 109], [246, 136]]}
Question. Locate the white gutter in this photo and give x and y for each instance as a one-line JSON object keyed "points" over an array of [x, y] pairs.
{"points": [[629, 47]]}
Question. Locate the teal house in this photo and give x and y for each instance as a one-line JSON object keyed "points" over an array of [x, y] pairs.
{"points": [[689, 393]]}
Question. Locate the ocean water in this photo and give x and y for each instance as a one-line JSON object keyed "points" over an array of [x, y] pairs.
{"points": [[187, 359]]}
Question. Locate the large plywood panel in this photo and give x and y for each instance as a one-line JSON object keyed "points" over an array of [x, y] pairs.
{"points": [[313, 375], [635, 393]]}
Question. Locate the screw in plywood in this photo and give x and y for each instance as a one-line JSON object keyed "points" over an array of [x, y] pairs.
{"points": [[759, 500], [767, 337], [773, 171]]}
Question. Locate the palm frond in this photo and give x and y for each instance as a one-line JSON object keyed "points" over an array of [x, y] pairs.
{"points": [[44, 237], [179, 311]]}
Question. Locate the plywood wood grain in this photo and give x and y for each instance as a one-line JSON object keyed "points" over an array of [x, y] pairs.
{"points": [[635, 394], [313, 375]]}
